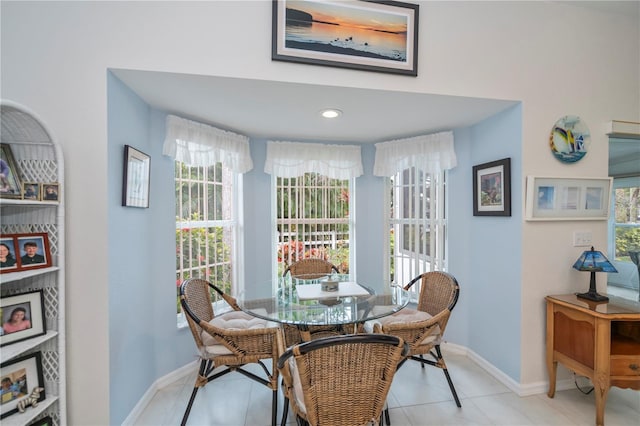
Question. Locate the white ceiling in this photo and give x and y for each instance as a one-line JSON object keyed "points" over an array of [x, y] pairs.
{"points": [[290, 111]]}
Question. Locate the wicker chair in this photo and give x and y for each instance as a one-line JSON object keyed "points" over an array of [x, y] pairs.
{"points": [[309, 269], [340, 380], [423, 328], [232, 340]]}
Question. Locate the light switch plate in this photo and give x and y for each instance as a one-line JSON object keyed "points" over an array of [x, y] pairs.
{"points": [[582, 238]]}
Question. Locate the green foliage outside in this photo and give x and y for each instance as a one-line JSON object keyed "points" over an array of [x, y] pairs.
{"points": [[627, 213]]}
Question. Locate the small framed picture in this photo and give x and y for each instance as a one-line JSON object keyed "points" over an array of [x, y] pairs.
{"points": [[51, 191], [135, 182], [8, 256], [31, 191], [492, 188], [10, 182], [45, 421], [21, 378], [22, 317], [34, 250]]}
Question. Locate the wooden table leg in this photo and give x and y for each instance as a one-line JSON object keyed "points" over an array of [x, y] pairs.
{"points": [[552, 366], [601, 390]]}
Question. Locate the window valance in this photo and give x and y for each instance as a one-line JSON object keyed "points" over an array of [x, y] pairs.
{"points": [[198, 144], [292, 159], [432, 153]]}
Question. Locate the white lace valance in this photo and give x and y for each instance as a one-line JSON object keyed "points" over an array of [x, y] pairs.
{"points": [[432, 153], [198, 144], [292, 159]]}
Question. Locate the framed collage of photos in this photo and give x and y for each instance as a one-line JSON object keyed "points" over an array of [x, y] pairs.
{"points": [[550, 198], [21, 377], [19, 252]]}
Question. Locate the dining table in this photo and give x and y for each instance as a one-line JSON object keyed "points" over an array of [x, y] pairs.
{"points": [[305, 301]]}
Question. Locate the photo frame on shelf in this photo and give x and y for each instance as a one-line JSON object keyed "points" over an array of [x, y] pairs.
{"points": [[554, 198], [363, 35], [34, 250], [31, 191], [8, 254], [45, 421], [10, 182], [492, 188], [23, 317], [51, 191], [137, 168], [25, 374]]}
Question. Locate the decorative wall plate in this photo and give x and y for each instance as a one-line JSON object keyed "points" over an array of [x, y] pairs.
{"points": [[569, 139]]}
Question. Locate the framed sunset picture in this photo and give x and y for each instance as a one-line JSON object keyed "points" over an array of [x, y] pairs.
{"points": [[365, 35]]}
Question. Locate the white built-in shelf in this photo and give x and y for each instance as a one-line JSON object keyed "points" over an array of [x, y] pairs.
{"points": [[34, 203], [20, 275], [30, 413], [12, 350]]}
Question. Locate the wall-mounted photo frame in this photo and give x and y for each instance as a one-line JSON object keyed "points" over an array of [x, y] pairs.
{"points": [[25, 251], [492, 188], [23, 317], [553, 198], [137, 171], [31, 191], [22, 375], [377, 36], [8, 254], [10, 182], [51, 191]]}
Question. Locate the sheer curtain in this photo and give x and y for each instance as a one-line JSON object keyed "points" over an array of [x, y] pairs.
{"points": [[293, 159], [431, 153], [197, 144]]}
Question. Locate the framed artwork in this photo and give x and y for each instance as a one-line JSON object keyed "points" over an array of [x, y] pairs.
{"points": [[45, 421], [20, 377], [8, 254], [31, 191], [364, 35], [51, 191], [492, 188], [550, 198], [137, 168], [19, 252], [569, 139], [22, 317], [10, 182]]}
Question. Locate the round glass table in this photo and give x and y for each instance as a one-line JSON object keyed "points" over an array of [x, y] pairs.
{"points": [[303, 301]]}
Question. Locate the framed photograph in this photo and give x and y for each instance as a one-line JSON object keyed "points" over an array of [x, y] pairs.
{"points": [[137, 168], [492, 188], [10, 182], [22, 317], [8, 256], [51, 191], [34, 250], [364, 35], [550, 198], [45, 421], [31, 191], [20, 377]]}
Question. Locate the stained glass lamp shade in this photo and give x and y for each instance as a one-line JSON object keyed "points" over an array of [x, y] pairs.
{"points": [[593, 261]]}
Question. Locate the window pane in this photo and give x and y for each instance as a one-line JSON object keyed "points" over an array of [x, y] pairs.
{"points": [[627, 222]]}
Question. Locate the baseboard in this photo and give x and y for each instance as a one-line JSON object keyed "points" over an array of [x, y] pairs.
{"points": [[163, 381]]}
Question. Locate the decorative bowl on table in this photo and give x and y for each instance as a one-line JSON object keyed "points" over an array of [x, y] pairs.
{"points": [[329, 285]]}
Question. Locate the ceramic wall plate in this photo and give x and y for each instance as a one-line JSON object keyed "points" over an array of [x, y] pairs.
{"points": [[569, 139]]}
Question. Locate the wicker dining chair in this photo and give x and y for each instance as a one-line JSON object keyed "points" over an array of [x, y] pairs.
{"points": [[340, 380], [423, 328], [309, 269], [229, 340]]}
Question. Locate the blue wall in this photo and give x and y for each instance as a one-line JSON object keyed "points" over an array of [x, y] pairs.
{"points": [[484, 252]]}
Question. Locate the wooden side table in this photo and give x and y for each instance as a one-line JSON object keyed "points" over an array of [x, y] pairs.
{"points": [[598, 340]]}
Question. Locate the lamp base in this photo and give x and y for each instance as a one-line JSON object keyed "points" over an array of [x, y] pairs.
{"points": [[593, 296]]}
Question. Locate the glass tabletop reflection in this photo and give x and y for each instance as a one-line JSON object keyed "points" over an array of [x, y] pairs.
{"points": [[315, 300]]}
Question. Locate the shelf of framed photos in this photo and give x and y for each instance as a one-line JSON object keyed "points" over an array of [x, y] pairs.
{"points": [[30, 413], [20, 275], [18, 348]]}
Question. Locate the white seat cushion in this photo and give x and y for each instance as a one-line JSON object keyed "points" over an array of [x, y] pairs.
{"points": [[234, 320], [405, 316]]}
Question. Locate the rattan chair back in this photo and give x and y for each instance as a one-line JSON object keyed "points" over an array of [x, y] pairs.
{"points": [[438, 291], [310, 268], [344, 380]]}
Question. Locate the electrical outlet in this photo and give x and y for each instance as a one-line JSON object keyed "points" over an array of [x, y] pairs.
{"points": [[582, 238]]}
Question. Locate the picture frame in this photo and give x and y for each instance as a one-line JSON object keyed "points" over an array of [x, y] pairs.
{"points": [[136, 175], [554, 198], [45, 421], [31, 191], [51, 191], [25, 374], [8, 254], [30, 251], [492, 188], [340, 34], [32, 324], [10, 181]]}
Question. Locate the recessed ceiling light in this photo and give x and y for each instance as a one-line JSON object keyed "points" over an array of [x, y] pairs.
{"points": [[330, 113]]}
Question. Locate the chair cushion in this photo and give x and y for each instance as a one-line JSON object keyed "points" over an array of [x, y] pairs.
{"points": [[234, 320], [297, 385], [405, 316]]}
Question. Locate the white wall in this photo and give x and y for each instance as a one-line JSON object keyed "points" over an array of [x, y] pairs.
{"points": [[558, 59]]}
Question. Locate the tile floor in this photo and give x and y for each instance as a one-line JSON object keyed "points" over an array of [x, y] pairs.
{"points": [[418, 398]]}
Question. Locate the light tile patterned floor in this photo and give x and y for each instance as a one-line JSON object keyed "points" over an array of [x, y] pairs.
{"points": [[418, 397]]}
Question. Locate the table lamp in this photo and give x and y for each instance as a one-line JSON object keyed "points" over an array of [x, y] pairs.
{"points": [[593, 261]]}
